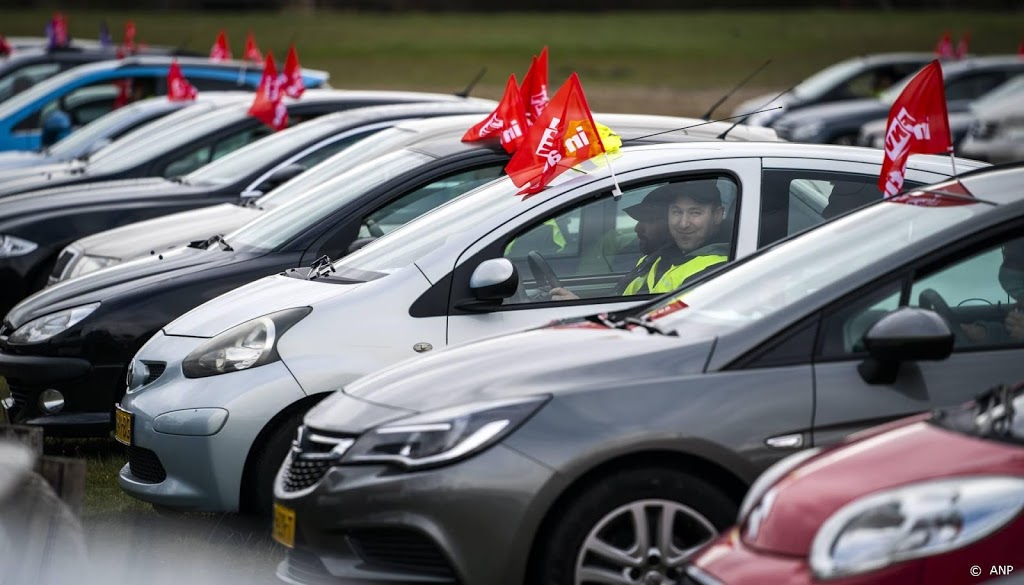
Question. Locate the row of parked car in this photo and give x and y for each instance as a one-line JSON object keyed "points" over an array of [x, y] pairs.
{"points": [[359, 327]]}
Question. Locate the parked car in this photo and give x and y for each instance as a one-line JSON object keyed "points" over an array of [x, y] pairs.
{"points": [[840, 123], [935, 498], [139, 298], [142, 238], [87, 92], [451, 276], [608, 449], [997, 135], [47, 221], [860, 77], [106, 129]]}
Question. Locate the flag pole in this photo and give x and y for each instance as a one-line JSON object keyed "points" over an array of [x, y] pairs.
{"points": [[952, 160], [616, 191]]}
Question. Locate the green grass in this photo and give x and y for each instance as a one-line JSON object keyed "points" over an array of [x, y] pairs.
{"points": [[679, 51]]}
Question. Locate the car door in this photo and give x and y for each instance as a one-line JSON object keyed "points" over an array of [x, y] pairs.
{"points": [[967, 287], [588, 240]]}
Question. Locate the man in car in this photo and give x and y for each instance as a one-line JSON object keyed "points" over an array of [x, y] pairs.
{"points": [[1011, 278], [695, 214]]}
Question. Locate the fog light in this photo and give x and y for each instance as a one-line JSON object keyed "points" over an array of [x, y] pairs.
{"points": [[51, 401]]}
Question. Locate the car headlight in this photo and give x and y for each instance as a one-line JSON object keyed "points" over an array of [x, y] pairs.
{"points": [[11, 246], [86, 264], [251, 344], [770, 477], [807, 131], [443, 436], [45, 327], [919, 520]]}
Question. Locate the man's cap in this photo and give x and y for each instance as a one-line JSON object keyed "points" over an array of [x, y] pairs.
{"points": [[655, 204]]}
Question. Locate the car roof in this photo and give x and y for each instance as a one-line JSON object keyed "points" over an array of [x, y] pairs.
{"points": [[998, 184], [980, 63], [358, 116]]}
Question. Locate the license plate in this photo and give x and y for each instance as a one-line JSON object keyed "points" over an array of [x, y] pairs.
{"points": [[123, 426], [284, 525]]}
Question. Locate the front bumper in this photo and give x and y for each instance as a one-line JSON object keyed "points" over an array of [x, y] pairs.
{"points": [[89, 392], [192, 436], [465, 523], [728, 561]]}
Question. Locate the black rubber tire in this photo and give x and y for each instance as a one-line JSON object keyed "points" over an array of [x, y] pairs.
{"points": [[258, 494], [557, 554]]}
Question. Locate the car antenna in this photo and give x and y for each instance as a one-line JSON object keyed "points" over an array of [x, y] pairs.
{"points": [[728, 94], [744, 118], [472, 84], [698, 124]]}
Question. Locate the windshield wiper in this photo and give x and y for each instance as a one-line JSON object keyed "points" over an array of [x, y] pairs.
{"points": [[251, 202], [320, 267], [995, 411], [180, 179], [219, 239]]}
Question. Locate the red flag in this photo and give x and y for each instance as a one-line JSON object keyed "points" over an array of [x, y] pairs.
{"points": [[963, 46], [267, 106], [124, 93], [563, 135], [129, 35], [5, 47], [944, 48], [178, 88], [535, 87], [293, 84], [1020, 48], [507, 121], [57, 31], [220, 50], [252, 52], [918, 123]]}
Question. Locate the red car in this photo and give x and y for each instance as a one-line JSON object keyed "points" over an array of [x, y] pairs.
{"points": [[932, 499]]}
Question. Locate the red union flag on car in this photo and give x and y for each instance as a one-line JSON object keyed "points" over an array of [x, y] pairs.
{"points": [[252, 52], [507, 121], [294, 87], [178, 88], [534, 91], [5, 47], [563, 135], [918, 124], [220, 50], [267, 106]]}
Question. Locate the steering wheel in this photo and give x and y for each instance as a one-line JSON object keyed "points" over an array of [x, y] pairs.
{"points": [[373, 227], [542, 271], [931, 299]]}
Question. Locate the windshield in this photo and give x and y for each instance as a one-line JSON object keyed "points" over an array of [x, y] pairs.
{"points": [[38, 91], [362, 151], [785, 274], [283, 223], [1006, 92], [152, 142], [821, 82], [78, 143], [254, 157]]}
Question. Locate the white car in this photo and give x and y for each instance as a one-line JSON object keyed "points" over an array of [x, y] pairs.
{"points": [[215, 397]]}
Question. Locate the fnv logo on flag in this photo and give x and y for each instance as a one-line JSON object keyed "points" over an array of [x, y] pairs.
{"points": [[507, 121], [178, 88], [563, 136], [220, 50], [267, 105], [534, 92], [294, 86], [918, 124]]}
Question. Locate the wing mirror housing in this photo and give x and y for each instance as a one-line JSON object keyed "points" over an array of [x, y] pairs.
{"points": [[904, 335], [491, 282]]}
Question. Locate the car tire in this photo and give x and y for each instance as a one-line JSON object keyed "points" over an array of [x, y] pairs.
{"points": [[604, 513], [258, 493]]}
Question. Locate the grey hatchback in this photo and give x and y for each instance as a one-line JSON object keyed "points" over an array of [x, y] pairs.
{"points": [[606, 450]]}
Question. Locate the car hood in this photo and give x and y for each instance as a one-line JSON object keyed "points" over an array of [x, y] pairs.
{"points": [[111, 282], [34, 178], [551, 360], [169, 231], [905, 454], [21, 160], [863, 109], [92, 193], [264, 296]]}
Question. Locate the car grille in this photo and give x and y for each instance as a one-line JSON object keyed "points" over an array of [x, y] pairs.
{"points": [[311, 456], [145, 465], [400, 548], [305, 567], [156, 369]]}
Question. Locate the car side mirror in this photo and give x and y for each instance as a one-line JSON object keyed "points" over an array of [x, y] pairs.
{"points": [[281, 176], [56, 125], [906, 334], [494, 280]]}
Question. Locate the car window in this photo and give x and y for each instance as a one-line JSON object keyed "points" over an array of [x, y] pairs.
{"points": [[328, 150], [24, 78], [205, 84], [612, 247], [973, 86], [794, 200], [188, 162], [979, 296], [237, 140]]}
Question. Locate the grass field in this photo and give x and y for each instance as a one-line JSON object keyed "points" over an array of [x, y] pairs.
{"points": [[671, 63]]}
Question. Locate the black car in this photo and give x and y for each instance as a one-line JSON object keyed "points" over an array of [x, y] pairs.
{"points": [[133, 301], [840, 123], [179, 150], [49, 220]]}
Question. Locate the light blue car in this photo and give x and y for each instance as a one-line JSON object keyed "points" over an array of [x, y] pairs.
{"points": [[81, 95]]}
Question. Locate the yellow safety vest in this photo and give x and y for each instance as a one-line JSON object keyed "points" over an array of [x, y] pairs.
{"points": [[556, 237], [673, 277]]}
